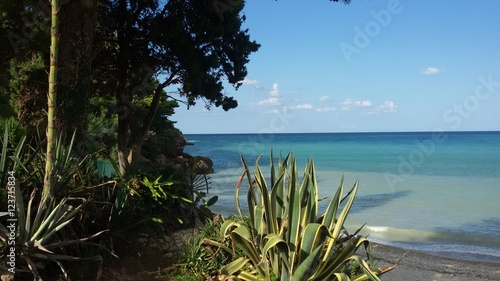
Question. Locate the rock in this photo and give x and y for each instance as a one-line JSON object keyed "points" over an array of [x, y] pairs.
{"points": [[161, 160], [204, 165]]}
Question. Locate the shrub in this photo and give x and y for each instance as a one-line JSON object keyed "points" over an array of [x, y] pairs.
{"points": [[286, 239], [45, 231]]}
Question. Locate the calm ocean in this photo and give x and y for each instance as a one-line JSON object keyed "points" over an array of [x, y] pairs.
{"points": [[435, 192]]}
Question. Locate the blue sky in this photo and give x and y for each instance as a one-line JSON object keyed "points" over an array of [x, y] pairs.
{"points": [[371, 66]]}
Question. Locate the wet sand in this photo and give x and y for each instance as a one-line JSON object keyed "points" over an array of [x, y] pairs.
{"points": [[419, 266]]}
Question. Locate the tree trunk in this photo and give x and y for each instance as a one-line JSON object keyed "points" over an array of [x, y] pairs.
{"points": [[51, 104], [128, 157], [122, 146], [134, 156]]}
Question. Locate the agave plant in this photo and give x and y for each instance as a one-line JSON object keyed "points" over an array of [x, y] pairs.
{"points": [[40, 236], [42, 231], [286, 239]]}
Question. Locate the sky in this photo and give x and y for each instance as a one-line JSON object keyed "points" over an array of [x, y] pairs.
{"points": [[370, 66]]}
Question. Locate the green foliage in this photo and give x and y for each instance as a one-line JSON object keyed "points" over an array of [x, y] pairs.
{"points": [[12, 142], [205, 253], [286, 236], [42, 236], [46, 231]]}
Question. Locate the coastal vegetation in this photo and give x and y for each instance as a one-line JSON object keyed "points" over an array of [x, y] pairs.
{"points": [[102, 95], [284, 236]]}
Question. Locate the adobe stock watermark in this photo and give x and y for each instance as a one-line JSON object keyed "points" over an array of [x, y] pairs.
{"points": [[483, 91], [453, 117], [363, 36], [11, 222]]}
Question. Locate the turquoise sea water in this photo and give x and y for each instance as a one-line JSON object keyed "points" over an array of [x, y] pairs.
{"points": [[436, 192]]}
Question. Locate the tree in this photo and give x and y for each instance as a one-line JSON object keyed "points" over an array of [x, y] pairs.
{"points": [[149, 45]]}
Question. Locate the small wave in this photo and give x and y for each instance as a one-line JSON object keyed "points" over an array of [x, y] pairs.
{"points": [[378, 228]]}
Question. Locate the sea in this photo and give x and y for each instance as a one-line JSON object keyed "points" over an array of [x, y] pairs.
{"points": [[437, 192]]}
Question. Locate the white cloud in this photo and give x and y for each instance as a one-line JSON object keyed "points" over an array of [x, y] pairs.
{"points": [[431, 71], [273, 98], [325, 98], [270, 101], [325, 109], [302, 106], [275, 91], [387, 106], [349, 104], [252, 83]]}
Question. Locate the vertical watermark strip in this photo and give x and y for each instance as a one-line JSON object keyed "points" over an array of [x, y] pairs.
{"points": [[11, 222]]}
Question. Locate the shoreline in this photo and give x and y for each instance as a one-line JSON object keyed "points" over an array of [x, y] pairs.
{"points": [[421, 266]]}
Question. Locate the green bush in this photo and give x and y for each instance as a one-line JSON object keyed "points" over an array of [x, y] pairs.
{"points": [[204, 252], [286, 239], [46, 231]]}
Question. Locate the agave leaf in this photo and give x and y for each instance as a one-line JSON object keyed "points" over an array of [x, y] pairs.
{"points": [[32, 267], [260, 224], [247, 276], [5, 144], [273, 172], [293, 215], [304, 195], [331, 211], [234, 266], [28, 231], [281, 198], [19, 149], [54, 230], [277, 203], [335, 262], [227, 226], [4, 234], [70, 148], [21, 214], [60, 244], [241, 237], [341, 277], [345, 211], [264, 194], [42, 215], [313, 215], [274, 240], [314, 236], [237, 194], [339, 225], [216, 244], [364, 266], [307, 266], [42, 220], [251, 198], [18, 162], [40, 247]]}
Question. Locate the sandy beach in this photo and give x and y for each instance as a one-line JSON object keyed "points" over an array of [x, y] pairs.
{"points": [[419, 266]]}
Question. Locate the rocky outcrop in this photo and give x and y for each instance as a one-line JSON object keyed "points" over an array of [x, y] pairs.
{"points": [[202, 164]]}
